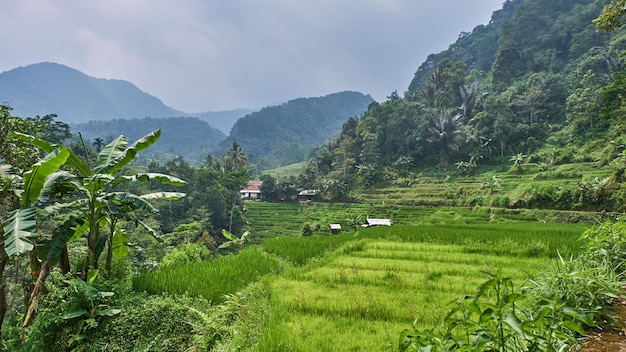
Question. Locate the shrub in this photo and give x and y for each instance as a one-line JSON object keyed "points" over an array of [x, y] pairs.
{"points": [[186, 253], [307, 229]]}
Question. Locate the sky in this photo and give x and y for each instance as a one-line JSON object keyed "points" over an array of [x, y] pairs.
{"points": [[201, 55]]}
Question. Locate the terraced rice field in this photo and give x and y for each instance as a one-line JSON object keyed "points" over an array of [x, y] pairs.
{"points": [[362, 298]]}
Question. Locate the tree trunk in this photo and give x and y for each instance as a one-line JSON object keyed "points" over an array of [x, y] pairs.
{"points": [[109, 262], [232, 211], [34, 296], [64, 261], [4, 258]]}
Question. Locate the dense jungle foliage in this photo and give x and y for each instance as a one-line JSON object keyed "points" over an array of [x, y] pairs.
{"points": [[539, 84]]}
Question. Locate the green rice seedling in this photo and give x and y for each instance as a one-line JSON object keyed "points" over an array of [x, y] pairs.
{"points": [[299, 250], [209, 279]]}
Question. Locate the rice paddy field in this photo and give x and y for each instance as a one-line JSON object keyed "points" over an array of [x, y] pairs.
{"points": [[358, 290], [383, 280]]}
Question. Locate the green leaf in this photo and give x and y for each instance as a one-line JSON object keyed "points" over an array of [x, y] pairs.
{"points": [[163, 195], [150, 230], [61, 181], [110, 153], [74, 314], [17, 234], [129, 153], [585, 318], [131, 200], [405, 340], [73, 161], [60, 238], [34, 178], [120, 244], [573, 326], [484, 287], [91, 276], [161, 178], [108, 312], [226, 245], [229, 235], [514, 322]]}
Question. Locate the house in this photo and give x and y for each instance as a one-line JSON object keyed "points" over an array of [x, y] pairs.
{"points": [[335, 228], [307, 194], [377, 222], [252, 191]]}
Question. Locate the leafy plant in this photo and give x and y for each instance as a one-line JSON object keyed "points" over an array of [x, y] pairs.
{"points": [[234, 240], [498, 318]]}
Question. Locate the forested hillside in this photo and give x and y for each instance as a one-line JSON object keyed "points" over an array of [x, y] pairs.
{"points": [[188, 137], [284, 134], [539, 85], [50, 88]]}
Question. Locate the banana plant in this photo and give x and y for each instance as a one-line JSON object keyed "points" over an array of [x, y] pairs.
{"points": [[96, 200], [233, 240], [18, 235]]}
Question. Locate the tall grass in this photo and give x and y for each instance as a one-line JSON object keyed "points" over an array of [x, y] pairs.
{"points": [[299, 250], [209, 279]]}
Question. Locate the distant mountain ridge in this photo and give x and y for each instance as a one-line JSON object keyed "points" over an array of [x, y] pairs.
{"points": [[103, 108], [52, 88]]}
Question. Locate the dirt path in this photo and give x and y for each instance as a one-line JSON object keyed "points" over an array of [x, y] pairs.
{"points": [[613, 340]]}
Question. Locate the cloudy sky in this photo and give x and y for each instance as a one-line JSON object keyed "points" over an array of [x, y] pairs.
{"points": [[199, 55]]}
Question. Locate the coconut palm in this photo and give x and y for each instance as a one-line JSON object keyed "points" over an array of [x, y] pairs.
{"points": [[235, 157], [446, 134]]}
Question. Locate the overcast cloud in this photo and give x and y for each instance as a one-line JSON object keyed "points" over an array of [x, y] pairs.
{"points": [[199, 55]]}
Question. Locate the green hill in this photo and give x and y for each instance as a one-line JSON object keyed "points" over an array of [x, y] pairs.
{"points": [[188, 137], [537, 87], [284, 134]]}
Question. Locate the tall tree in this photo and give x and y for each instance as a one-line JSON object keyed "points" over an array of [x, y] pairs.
{"points": [[446, 134], [235, 157]]}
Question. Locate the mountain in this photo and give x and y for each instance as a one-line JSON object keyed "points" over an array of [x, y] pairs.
{"points": [[50, 88], [284, 134], [188, 137]]}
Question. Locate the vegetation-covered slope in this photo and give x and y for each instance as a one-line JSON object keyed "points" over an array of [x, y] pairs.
{"points": [[50, 88], [188, 137], [547, 96], [284, 134]]}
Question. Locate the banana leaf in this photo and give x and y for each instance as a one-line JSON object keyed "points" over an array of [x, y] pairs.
{"points": [[125, 199], [112, 151], [161, 178], [60, 181], [35, 178], [18, 238], [73, 160], [163, 195], [129, 153]]}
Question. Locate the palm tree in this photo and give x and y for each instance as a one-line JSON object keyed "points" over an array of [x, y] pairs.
{"points": [[98, 143], [236, 158], [446, 133]]}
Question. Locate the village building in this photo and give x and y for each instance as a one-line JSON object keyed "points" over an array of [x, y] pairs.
{"points": [[307, 194], [252, 191], [377, 222], [335, 229]]}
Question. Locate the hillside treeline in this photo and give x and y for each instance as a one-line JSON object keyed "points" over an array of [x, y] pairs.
{"points": [[538, 84]]}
